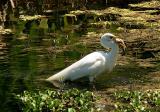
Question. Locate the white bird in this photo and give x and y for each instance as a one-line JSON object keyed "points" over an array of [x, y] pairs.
{"points": [[93, 64]]}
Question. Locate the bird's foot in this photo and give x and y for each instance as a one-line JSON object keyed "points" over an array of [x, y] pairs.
{"points": [[56, 83], [92, 83], [92, 86]]}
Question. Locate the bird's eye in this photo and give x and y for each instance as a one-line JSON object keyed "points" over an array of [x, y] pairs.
{"points": [[111, 37]]}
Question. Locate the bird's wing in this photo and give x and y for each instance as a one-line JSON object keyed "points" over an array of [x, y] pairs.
{"points": [[91, 64]]}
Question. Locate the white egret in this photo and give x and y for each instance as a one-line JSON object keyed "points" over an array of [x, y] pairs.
{"points": [[93, 64]]}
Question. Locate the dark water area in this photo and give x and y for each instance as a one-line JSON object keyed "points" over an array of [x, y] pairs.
{"points": [[37, 50]]}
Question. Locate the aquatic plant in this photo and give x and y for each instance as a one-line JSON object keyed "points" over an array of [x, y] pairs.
{"points": [[138, 101], [71, 100]]}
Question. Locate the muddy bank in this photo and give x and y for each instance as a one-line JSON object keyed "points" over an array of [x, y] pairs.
{"points": [[139, 26]]}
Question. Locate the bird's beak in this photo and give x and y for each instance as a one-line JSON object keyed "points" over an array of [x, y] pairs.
{"points": [[121, 43]]}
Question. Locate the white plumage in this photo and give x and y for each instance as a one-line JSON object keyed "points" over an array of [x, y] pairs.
{"points": [[93, 64]]}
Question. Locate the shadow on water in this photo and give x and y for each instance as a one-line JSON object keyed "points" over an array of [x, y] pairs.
{"points": [[36, 51]]}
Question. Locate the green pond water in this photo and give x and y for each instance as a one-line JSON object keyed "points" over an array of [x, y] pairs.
{"points": [[35, 52]]}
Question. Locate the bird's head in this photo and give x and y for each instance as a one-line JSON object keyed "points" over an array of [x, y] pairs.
{"points": [[121, 44], [109, 38]]}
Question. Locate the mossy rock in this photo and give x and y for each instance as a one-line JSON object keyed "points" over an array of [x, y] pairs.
{"points": [[28, 17], [6, 32], [132, 25], [123, 2], [69, 19], [147, 4]]}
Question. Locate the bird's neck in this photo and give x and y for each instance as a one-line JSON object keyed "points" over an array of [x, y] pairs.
{"points": [[113, 54]]}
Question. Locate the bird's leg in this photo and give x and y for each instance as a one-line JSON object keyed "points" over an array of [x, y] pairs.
{"points": [[92, 82], [58, 84]]}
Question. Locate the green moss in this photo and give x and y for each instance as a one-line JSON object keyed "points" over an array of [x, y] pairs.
{"points": [[5, 31], [27, 17], [77, 12], [147, 4], [69, 17]]}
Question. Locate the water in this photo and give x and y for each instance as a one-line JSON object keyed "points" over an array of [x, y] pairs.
{"points": [[35, 52]]}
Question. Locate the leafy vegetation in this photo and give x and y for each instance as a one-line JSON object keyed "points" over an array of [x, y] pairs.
{"points": [[136, 101], [71, 100]]}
